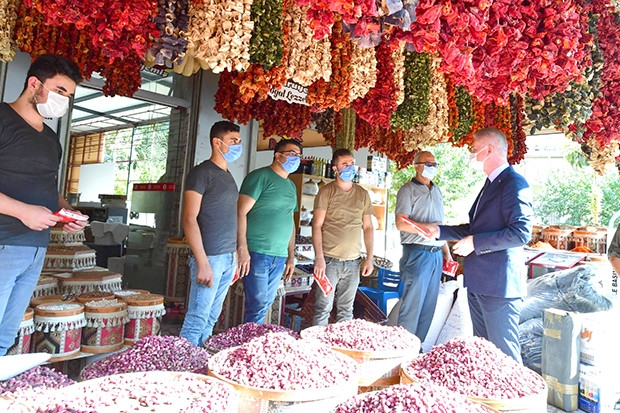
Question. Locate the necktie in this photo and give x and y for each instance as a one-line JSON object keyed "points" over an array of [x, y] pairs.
{"points": [[486, 184]]}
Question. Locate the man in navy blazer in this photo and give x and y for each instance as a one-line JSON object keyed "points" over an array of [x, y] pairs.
{"points": [[500, 224]]}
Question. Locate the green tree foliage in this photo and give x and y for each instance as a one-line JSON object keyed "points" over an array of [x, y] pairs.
{"points": [[456, 178], [578, 198]]}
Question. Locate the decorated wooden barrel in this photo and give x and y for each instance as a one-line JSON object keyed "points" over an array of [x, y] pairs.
{"points": [[47, 285], [47, 299], [177, 268], [537, 234], [23, 341], [58, 329], [105, 326], [557, 237], [94, 296], [595, 239], [87, 281], [144, 313], [122, 294]]}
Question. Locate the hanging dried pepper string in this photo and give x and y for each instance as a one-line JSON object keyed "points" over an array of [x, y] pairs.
{"points": [[335, 93], [517, 113], [382, 140], [379, 103]]}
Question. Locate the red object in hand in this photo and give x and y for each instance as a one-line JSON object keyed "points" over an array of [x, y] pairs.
{"points": [[69, 216], [324, 283], [236, 277], [417, 227], [450, 268]]}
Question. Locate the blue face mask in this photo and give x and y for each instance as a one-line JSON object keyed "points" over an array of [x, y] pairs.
{"points": [[430, 172], [347, 174], [291, 164], [234, 152]]}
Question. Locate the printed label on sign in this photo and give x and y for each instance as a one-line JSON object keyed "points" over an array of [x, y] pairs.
{"points": [[325, 285]]}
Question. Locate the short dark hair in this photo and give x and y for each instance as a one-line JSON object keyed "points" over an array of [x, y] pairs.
{"points": [[284, 141], [338, 153], [221, 128], [49, 65]]}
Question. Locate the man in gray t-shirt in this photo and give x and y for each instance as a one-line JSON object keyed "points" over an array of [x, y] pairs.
{"points": [[210, 225], [420, 200]]}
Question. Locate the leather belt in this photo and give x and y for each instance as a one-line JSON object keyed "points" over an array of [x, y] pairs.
{"points": [[431, 248]]}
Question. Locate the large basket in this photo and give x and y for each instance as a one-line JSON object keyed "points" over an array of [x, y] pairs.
{"points": [[535, 403]]}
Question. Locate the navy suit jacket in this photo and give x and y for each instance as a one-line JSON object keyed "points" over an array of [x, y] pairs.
{"points": [[501, 227]]}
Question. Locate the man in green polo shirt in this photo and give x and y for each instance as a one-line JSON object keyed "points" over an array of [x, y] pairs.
{"points": [[266, 230]]}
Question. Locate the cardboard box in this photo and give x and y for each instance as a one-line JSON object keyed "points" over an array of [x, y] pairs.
{"points": [[599, 376]]}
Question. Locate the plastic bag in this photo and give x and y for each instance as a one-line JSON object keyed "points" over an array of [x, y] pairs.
{"points": [[577, 289], [530, 338]]}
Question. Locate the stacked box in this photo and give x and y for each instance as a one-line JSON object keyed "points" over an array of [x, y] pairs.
{"points": [[560, 357], [599, 376]]}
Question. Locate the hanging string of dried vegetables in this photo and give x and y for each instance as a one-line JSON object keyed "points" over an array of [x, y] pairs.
{"points": [[379, 103], [519, 149], [398, 57], [121, 34], [573, 106], [221, 31], [327, 123], [228, 101], [321, 14], [282, 118], [382, 140], [172, 21], [334, 93], [8, 18], [604, 124], [308, 58], [435, 128], [461, 115], [267, 44], [363, 71], [417, 80]]}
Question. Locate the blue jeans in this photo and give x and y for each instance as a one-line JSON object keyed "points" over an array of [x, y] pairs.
{"points": [[20, 268], [205, 303], [345, 277], [261, 285], [497, 320], [420, 277]]}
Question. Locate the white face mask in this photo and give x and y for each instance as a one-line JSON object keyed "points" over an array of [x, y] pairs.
{"points": [[56, 105], [475, 163], [430, 172]]}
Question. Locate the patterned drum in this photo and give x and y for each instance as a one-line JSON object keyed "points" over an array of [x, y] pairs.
{"points": [[23, 340], [94, 296], [177, 268], [48, 299], [58, 329], [105, 326], [122, 294], [87, 281], [47, 285], [145, 312]]}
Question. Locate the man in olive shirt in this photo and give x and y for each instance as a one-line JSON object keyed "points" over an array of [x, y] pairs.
{"points": [[266, 230], [342, 213]]}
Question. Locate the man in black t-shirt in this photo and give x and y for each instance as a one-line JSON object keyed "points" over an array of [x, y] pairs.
{"points": [[210, 226], [30, 154]]}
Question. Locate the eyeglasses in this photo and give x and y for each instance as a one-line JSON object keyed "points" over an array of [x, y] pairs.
{"points": [[429, 164], [290, 153]]}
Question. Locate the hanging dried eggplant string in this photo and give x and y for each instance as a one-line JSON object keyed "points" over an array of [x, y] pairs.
{"points": [[172, 22], [309, 59], [8, 18], [363, 71], [221, 31], [417, 80], [345, 137], [266, 46]]}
